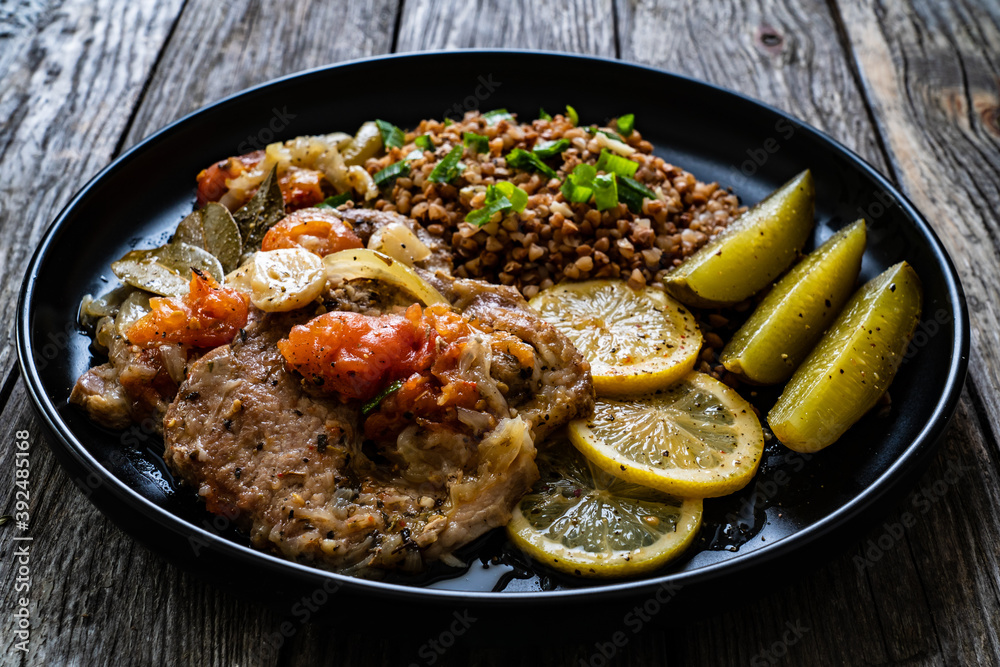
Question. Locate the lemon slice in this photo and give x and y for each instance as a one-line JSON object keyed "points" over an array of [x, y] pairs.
{"points": [[636, 341], [697, 439], [581, 520]]}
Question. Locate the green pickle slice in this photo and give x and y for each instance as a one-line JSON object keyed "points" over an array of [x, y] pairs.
{"points": [[786, 325], [852, 365], [751, 252]]}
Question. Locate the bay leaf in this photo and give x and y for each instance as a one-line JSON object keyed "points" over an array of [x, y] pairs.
{"points": [[213, 229], [166, 270], [258, 215]]}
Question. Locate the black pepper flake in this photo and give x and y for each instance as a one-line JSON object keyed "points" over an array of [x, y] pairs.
{"points": [[828, 304], [298, 413], [238, 472], [291, 514], [228, 424], [274, 383], [260, 446], [193, 456], [193, 396], [329, 534], [322, 440]]}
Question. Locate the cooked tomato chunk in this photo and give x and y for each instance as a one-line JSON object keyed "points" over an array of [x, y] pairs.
{"points": [[207, 316], [317, 230]]}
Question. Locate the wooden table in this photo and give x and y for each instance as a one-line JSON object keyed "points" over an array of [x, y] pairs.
{"points": [[914, 87]]}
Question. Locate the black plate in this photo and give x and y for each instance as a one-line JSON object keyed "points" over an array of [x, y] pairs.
{"points": [[716, 134]]}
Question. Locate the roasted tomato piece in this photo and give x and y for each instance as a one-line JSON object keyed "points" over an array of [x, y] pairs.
{"points": [[207, 316], [356, 356], [301, 187], [317, 230], [212, 181]]}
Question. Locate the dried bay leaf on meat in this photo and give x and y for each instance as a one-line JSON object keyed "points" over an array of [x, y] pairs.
{"points": [[258, 215], [166, 270], [213, 229]]}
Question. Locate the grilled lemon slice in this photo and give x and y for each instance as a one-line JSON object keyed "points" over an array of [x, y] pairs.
{"points": [[580, 520], [697, 439], [636, 341]]}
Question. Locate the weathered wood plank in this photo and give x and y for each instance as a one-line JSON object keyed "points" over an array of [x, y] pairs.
{"points": [[581, 26], [71, 73], [788, 54], [784, 53], [931, 72], [221, 48], [96, 595]]}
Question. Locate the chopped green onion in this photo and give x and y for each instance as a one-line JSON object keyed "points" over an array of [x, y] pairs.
{"points": [[579, 186], [573, 116], [605, 191], [633, 192], [517, 197], [392, 172], [448, 121], [414, 154], [424, 142], [547, 149], [611, 135], [626, 124], [522, 159], [543, 115], [616, 164], [447, 169], [372, 405], [497, 115], [335, 201], [477, 143], [504, 196], [392, 136]]}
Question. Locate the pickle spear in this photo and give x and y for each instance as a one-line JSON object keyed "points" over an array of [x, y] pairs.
{"points": [[786, 325], [751, 252], [852, 365]]}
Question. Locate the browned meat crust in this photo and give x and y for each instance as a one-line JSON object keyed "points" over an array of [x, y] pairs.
{"points": [[294, 470]]}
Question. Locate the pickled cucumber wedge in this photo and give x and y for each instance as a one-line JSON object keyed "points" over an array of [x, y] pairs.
{"points": [[853, 363], [751, 252], [792, 317]]}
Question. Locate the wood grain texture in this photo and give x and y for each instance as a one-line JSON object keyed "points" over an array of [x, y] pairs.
{"points": [[71, 72], [220, 48], [930, 597], [578, 26], [784, 53], [932, 71]]}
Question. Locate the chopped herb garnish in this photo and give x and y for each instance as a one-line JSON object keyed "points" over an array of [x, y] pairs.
{"points": [[504, 196], [579, 186], [392, 172], [611, 135], [448, 121], [547, 149], [616, 164], [497, 115], [373, 404], [447, 169], [522, 159], [632, 192], [477, 143], [626, 124], [335, 201], [518, 198], [392, 136], [543, 115], [573, 116], [605, 191], [424, 142]]}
